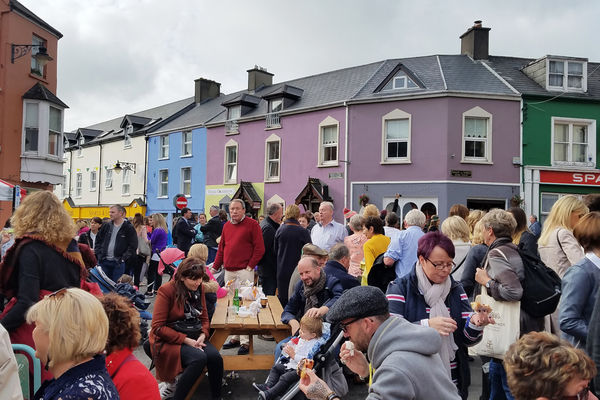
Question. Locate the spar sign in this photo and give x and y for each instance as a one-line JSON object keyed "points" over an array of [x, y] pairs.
{"points": [[570, 178], [180, 201]]}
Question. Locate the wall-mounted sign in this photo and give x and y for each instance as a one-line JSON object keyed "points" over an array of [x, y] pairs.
{"points": [[460, 173], [220, 191], [570, 178], [336, 175]]}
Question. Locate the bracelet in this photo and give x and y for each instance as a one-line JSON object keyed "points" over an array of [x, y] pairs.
{"points": [[332, 396]]}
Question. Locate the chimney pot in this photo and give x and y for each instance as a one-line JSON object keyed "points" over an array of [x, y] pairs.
{"points": [[477, 24], [475, 42], [257, 77]]}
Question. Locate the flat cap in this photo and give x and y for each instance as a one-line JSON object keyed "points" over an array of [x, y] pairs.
{"points": [[310, 249], [358, 302]]}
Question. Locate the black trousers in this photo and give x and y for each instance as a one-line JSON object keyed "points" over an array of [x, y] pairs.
{"points": [[280, 379], [154, 279], [193, 361]]}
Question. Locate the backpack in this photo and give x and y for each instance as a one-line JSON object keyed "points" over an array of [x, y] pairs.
{"points": [[380, 275], [541, 286]]}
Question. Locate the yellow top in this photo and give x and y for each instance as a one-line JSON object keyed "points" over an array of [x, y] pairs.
{"points": [[373, 248]]}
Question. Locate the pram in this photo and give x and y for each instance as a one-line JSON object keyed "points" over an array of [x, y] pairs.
{"points": [[138, 300], [326, 365]]}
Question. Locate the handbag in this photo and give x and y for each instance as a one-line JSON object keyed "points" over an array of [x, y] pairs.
{"points": [[499, 336], [143, 247], [191, 327]]}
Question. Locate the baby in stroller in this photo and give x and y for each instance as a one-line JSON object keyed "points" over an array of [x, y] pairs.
{"points": [[284, 372]]}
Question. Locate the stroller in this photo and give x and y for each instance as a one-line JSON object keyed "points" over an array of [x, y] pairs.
{"points": [[326, 366], [138, 300]]}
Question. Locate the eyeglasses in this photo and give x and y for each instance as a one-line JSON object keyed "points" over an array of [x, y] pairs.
{"points": [[442, 266], [59, 294], [583, 395], [345, 326]]}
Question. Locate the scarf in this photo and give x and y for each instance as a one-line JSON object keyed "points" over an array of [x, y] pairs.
{"points": [[310, 292], [435, 294]]}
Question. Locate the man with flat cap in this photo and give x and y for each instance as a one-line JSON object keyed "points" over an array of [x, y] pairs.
{"points": [[404, 356]]}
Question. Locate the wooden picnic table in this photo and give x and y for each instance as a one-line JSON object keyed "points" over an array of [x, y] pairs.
{"points": [[267, 322]]}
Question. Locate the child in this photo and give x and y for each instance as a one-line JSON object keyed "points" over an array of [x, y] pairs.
{"points": [[283, 374]]}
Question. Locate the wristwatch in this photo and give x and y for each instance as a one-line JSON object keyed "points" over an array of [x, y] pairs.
{"points": [[332, 396], [488, 284]]}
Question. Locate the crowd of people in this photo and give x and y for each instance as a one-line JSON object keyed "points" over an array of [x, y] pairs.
{"points": [[413, 340]]}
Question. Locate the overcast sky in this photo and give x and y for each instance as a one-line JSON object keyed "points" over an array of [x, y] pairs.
{"points": [[119, 57]]}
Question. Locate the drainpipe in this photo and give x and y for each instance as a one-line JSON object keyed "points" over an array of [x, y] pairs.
{"points": [[347, 162], [70, 174], [99, 183], [145, 170]]}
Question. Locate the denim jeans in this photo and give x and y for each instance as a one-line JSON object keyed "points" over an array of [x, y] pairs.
{"points": [[113, 268], [498, 383]]}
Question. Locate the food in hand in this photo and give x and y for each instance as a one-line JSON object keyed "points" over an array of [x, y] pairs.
{"points": [[350, 348], [304, 366], [477, 306]]}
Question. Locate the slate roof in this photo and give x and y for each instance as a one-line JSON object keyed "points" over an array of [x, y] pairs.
{"points": [[41, 92], [196, 116], [510, 69]]}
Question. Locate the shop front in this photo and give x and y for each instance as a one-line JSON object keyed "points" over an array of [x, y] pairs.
{"points": [[89, 212]]}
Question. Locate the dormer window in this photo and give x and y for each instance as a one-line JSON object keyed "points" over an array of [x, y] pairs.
{"points": [[400, 81], [234, 112], [79, 144], [127, 138], [567, 75], [275, 105]]}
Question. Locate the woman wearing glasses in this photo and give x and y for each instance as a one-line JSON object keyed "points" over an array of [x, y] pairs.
{"points": [[429, 296], [179, 358]]}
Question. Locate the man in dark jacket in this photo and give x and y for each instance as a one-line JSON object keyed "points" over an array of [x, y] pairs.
{"points": [[338, 264], [184, 231], [115, 243], [267, 267], [212, 230]]}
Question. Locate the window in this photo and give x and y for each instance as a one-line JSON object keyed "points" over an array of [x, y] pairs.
{"points": [[328, 142], [574, 142], [163, 183], [64, 189], [164, 147], [78, 184], [567, 75], [186, 143], [477, 136], [36, 67], [93, 180], [79, 144], [234, 112], [126, 183], [186, 181], [400, 81], [31, 127], [108, 179], [396, 128], [54, 130], [272, 158], [548, 200], [275, 105], [231, 151]]}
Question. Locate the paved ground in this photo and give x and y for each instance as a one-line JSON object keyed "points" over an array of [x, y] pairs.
{"points": [[238, 384]]}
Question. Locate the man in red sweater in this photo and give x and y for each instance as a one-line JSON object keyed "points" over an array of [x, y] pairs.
{"points": [[240, 249]]}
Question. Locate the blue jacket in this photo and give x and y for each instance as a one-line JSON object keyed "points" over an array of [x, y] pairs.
{"points": [[294, 309], [408, 302], [579, 288], [335, 269]]}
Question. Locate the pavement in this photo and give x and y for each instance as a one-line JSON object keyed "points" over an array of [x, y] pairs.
{"points": [[238, 384]]}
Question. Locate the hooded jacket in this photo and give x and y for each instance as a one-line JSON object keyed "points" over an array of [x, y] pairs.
{"points": [[406, 363]]}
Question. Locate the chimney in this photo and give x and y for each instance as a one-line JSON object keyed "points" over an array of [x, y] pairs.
{"points": [[257, 77], [206, 89], [475, 42]]}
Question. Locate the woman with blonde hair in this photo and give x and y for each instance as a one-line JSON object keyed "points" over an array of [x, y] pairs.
{"points": [[370, 210], [557, 246], [158, 242], [44, 258], [457, 230], [71, 330], [474, 217]]}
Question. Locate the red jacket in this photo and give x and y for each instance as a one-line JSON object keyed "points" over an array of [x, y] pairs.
{"points": [[241, 245], [131, 377]]}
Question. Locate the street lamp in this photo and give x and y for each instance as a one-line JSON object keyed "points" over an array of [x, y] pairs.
{"points": [[20, 50], [122, 165]]}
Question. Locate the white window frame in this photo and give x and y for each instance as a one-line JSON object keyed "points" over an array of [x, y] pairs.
{"points": [[186, 181], [565, 86], [93, 180], [78, 185], [126, 182], [328, 122], [276, 140], [591, 133], [58, 132], [395, 115], [278, 101], [237, 115], [37, 123], [35, 68], [126, 138], [477, 113], [163, 147], [162, 182], [229, 144], [80, 141], [186, 140], [108, 179]]}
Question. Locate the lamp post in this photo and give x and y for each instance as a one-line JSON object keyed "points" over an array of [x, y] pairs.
{"points": [[20, 50], [122, 165]]}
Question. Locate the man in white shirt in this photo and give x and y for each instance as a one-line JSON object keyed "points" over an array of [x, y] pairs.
{"points": [[327, 232]]}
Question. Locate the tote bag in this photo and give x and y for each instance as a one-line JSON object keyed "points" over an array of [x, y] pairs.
{"points": [[499, 336]]}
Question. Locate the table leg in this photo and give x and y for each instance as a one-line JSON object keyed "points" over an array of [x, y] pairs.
{"points": [[219, 337]]}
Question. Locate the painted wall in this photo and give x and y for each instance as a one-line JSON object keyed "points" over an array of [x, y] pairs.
{"points": [[197, 162], [436, 135], [299, 135], [537, 126]]}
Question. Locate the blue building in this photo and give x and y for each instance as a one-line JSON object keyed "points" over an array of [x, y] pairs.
{"points": [[177, 156]]}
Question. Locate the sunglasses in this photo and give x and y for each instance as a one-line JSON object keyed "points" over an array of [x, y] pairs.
{"points": [[583, 395], [344, 326]]}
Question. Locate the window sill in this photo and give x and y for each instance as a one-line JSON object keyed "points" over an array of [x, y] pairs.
{"points": [[232, 133], [38, 77], [92, 190], [164, 158], [336, 164], [591, 165], [186, 156], [108, 189], [272, 180], [162, 197], [230, 183], [127, 147], [395, 162], [271, 128], [484, 162]]}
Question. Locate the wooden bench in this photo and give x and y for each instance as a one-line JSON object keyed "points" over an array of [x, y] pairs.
{"points": [[267, 322]]}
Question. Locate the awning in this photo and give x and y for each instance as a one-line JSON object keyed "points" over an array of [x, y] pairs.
{"points": [[6, 191], [247, 193], [313, 194]]}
